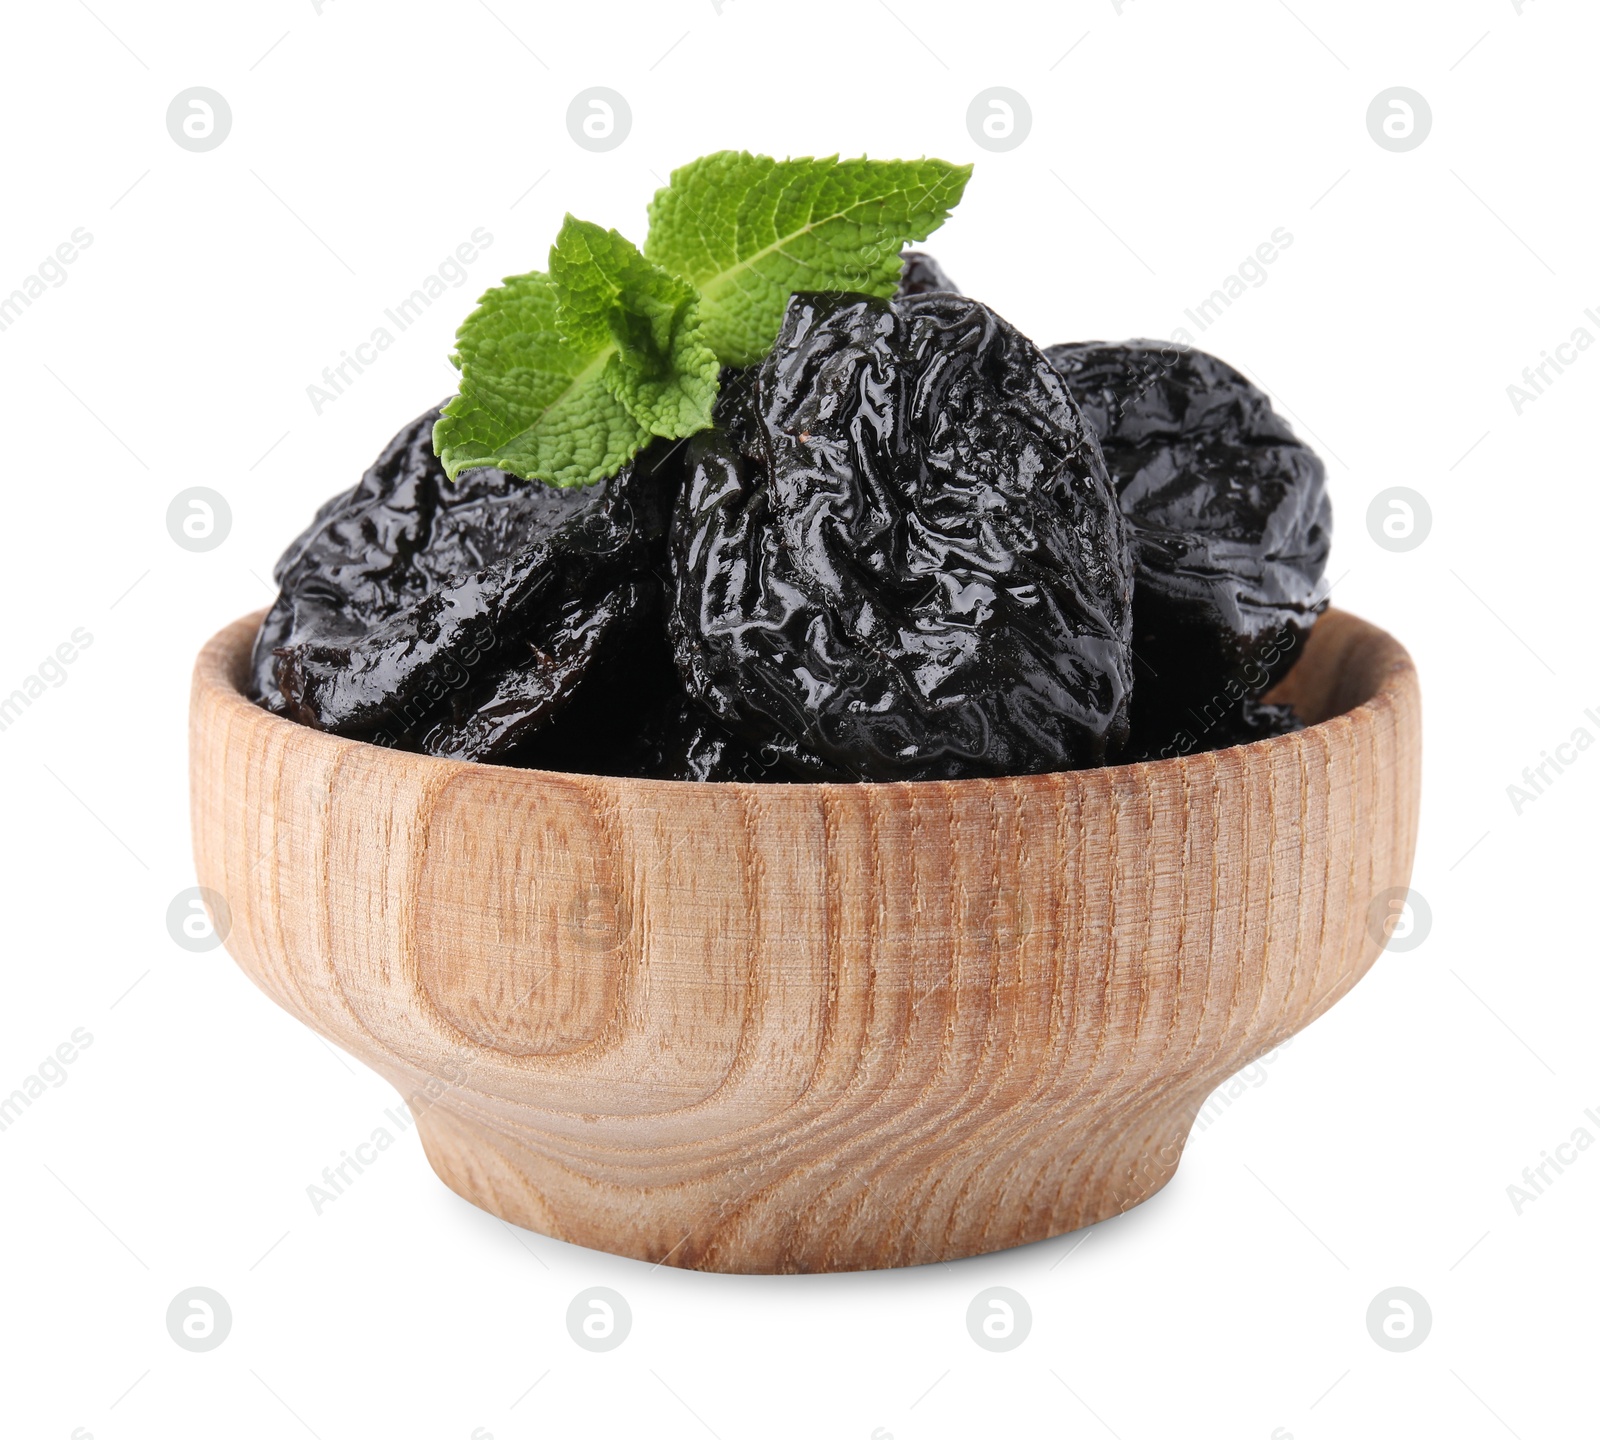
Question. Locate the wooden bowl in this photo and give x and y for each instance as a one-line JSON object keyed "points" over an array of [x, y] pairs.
{"points": [[770, 1028]]}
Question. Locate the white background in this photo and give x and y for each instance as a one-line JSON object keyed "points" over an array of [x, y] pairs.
{"points": [[367, 142]]}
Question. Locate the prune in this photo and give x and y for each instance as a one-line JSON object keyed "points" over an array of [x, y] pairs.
{"points": [[921, 274], [400, 534], [632, 716], [1231, 525], [692, 744], [495, 717], [897, 554], [457, 618]]}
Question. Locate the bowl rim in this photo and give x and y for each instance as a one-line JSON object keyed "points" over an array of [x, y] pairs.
{"points": [[221, 663]]}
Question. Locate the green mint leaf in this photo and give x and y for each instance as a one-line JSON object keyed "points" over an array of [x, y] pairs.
{"points": [[531, 402], [566, 375], [660, 368], [748, 231]]}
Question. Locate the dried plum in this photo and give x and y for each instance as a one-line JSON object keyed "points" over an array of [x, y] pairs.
{"points": [[494, 718], [898, 555], [457, 618], [693, 745], [921, 274], [401, 533], [1231, 525], [632, 716]]}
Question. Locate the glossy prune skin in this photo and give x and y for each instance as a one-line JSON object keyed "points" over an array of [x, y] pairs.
{"points": [[403, 532], [632, 716], [1231, 525], [509, 709], [921, 274], [457, 618], [897, 554], [693, 745]]}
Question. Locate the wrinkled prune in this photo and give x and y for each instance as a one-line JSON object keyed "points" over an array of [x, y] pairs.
{"points": [[691, 744], [403, 532], [502, 713], [1231, 525], [921, 274], [632, 716], [457, 618], [898, 554]]}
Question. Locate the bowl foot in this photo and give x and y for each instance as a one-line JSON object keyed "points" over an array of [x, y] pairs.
{"points": [[868, 1211]]}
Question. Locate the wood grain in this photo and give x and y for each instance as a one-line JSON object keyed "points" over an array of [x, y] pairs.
{"points": [[810, 1027]]}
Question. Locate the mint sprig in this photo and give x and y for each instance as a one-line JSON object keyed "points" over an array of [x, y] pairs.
{"points": [[567, 373], [748, 231], [612, 301]]}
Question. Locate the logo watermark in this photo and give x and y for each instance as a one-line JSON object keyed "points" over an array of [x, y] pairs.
{"points": [[49, 1074], [1537, 1179], [198, 519], [1254, 678], [1537, 779], [51, 272], [50, 673], [432, 683], [199, 1319], [1399, 1319], [999, 119], [1399, 519], [999, 1319], [1399, 119], [1399, 919], [449, 274], [599, 119], [1250, 274], [337, 1179], [598, 1319], [198, 919], [1252, 1077], [199, 119], [1537, 379]]}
